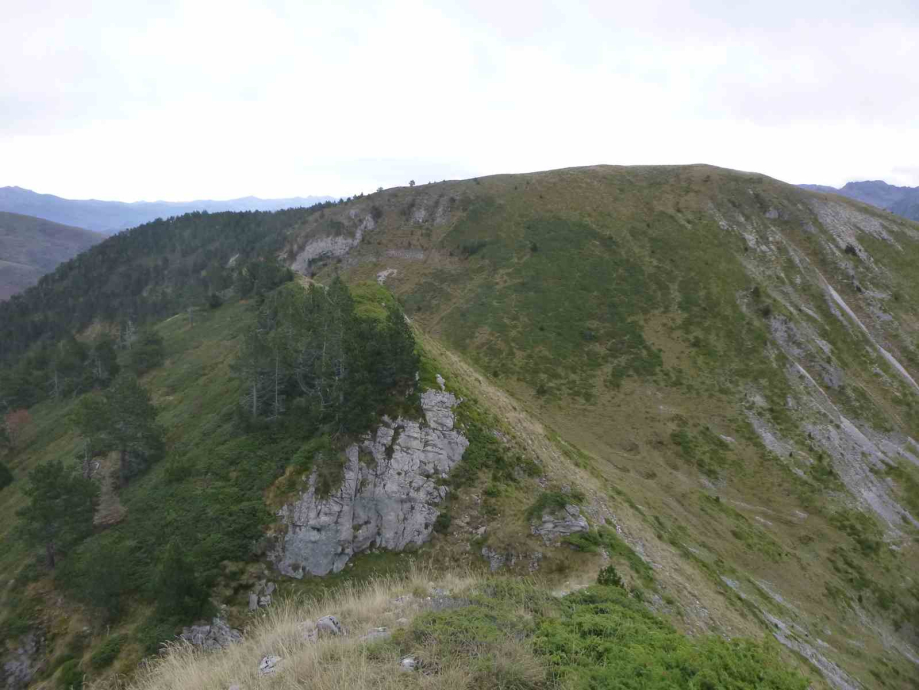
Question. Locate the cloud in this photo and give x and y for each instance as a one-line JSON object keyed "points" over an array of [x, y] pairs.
{"points": [[220, 99]]}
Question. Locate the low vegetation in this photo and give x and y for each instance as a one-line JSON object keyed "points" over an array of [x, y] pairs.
{"points": [[465, 631]]}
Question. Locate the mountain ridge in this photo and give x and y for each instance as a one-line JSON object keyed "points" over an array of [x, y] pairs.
{"points": [[109, 217], [31, 247], [903, 201], [701, 377]]}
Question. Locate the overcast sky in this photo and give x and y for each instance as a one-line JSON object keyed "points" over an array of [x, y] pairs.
{"points": [[216, 99]]}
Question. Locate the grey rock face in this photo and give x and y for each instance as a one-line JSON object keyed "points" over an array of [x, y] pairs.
{"points": [[562, 524], [388, 498], [20, 666], [217, 635]]}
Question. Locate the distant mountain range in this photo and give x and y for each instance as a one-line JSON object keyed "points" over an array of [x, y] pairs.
{"points": [[111, 216], [31, 247], [904, 201]]}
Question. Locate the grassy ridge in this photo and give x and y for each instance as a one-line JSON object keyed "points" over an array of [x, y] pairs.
{"points": [[464, 631]]}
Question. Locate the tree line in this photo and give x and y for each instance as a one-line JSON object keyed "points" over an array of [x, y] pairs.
{"points": [[310, 353]]}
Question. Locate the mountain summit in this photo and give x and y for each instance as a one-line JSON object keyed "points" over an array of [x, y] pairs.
{"points": [[111, 216], [903, 201]]}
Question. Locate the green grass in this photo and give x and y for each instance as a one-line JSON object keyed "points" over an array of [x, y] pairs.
{"points": [[514, 635], [752, 537]]}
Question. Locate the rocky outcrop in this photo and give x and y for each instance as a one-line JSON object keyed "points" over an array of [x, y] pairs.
{"points": [[217, 635], [260, 596], [563, 523], [19, 667], [393, 483]]}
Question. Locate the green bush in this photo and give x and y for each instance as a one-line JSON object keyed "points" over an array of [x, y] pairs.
{"points": [[552, 502], [177, 590], [608, 577], [106, 653], [604, 639], [70, 675], [6, 477]]}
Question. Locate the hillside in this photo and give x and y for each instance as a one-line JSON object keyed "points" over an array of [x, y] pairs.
{"points": [[109, 217], [31, 247], [903, 201], [703, 378]]}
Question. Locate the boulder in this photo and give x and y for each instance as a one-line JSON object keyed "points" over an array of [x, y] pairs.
{"points": [[18, 668], [269, 665], [329, 625], [562, 523], [217, 635]]}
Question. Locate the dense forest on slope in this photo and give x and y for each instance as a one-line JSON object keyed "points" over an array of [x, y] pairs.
{"points": [[146, 273]]}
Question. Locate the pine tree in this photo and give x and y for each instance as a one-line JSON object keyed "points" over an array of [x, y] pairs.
{"points": [[104, 360], [60, 510], [147, 352], [90, 417], [251, 368], [131, 428]]}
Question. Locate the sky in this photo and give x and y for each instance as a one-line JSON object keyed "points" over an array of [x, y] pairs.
{"points": [[129, 100]]}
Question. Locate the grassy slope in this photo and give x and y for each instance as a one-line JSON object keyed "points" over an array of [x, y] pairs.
{"points": [[613, 308], [212, 491], [466, 631], [31, 247]]}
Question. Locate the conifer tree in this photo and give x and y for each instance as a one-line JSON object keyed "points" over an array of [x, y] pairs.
{"points": [[130, 427], [60, 510], [176, 587]]}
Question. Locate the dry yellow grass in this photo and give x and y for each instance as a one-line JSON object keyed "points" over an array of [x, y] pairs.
{"points": [[331, 663]]}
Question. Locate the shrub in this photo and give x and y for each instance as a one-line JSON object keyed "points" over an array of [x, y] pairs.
{"points": [[6, 477], [70, 675], [608, 577], [552, 502], [214, 301], [176, 588], [604, 639], [443, 522], [107, 652]]}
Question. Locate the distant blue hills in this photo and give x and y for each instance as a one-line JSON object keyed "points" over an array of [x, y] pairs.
{"points": [[904, 201], [109, 217]]}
